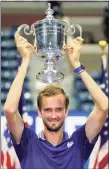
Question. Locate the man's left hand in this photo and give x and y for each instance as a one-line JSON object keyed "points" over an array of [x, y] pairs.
{"points": [[74, 51]]}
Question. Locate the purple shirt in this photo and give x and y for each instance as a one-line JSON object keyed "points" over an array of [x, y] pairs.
{"points": [[34, 152]]}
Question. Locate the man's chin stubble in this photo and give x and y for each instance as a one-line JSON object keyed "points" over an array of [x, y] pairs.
{"points": [[51, 129]]}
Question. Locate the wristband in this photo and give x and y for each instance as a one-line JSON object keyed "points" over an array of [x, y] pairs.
{"points": [[79, 69]]}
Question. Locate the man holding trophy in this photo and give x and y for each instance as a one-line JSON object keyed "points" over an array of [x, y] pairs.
{"points": [[53, 148]]}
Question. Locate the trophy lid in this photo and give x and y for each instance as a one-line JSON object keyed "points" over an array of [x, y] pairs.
{"points": [[49, 12]]}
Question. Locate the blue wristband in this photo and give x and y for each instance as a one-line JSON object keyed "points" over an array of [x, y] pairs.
{"points": [[79, 69]]}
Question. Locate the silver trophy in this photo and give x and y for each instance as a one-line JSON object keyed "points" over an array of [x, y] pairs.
{"points": [[49, 35]]}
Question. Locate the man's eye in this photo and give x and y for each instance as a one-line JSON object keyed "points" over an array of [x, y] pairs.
{"points": [[47, 110], [59, 109]]}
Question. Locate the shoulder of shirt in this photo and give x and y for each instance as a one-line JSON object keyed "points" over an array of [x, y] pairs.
{"points": [[29, 131]]}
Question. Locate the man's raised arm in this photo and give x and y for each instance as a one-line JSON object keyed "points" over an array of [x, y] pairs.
{"points": [[98, 116], [13, 117]]}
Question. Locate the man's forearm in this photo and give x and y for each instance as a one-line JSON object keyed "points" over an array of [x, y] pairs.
{"points": [[100, 99], [14, 94], [98, 96]]}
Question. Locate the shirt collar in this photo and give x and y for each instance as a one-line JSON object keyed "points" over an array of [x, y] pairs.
{"points": [[41, 135]]}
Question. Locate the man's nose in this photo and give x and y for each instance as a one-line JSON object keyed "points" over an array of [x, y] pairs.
{"points": [[53, 114]]}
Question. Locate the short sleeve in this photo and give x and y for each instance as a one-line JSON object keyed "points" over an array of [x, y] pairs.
{"points": [[21, 148], [85, 146]]}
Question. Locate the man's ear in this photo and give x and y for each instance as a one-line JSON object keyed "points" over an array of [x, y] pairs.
{"points": [[66, 112], [39, 113]]}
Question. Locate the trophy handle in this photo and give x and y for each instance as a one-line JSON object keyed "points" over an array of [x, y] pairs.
{"points": [[72, 27], [28, 33], [26, 29]]}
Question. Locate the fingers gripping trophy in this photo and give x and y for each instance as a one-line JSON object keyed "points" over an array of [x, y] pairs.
{"points": [[48, 36]]}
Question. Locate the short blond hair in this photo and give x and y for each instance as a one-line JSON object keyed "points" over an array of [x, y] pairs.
{"points": [[51, 90]]}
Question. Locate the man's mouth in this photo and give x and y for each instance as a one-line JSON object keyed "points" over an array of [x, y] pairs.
{"points": [[54, 120]]}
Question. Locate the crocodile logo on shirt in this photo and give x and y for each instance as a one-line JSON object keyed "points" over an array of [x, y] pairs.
{"points": [[69, 144]]}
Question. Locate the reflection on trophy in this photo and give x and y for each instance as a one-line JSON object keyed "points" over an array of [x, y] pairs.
{"points": [[49, 34]]}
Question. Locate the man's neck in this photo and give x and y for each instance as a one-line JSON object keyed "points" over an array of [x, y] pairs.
{"points": [[53, 137]]}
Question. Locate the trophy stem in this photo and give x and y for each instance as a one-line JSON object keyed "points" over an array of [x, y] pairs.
{"points": [[49, 64], [49, 74]]}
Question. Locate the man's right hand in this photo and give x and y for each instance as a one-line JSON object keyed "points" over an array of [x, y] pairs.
{"points": [[24, 47]]}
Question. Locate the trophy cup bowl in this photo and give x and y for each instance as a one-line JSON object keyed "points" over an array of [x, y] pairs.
{"points": [[49, 35]]}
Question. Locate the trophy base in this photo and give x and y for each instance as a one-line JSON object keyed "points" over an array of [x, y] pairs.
{"points": [[50, 76]]}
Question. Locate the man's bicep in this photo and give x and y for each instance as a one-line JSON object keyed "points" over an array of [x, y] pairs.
{"points": [[16, 126], [94, 124]]}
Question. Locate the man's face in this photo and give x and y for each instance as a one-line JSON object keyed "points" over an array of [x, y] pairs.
{"points": [[53, 112]]}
